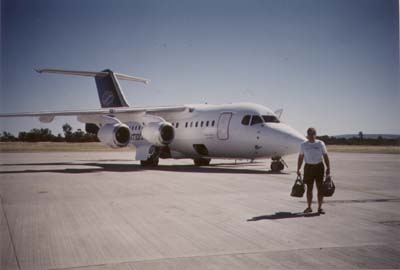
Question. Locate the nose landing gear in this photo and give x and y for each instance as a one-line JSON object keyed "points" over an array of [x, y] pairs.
{"points": [[278, 164], [201, 161]]}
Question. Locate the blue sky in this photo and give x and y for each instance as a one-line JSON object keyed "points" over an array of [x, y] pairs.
{"points": [[330, 64]]}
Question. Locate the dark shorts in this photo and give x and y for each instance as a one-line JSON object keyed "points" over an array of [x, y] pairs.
{"points": [[314, 173]]}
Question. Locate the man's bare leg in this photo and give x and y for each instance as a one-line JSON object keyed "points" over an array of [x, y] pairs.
{"points": [[309, 198], [320, 200]]}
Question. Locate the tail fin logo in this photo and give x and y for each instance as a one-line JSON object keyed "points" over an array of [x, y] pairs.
{"points": [[107, 98]]}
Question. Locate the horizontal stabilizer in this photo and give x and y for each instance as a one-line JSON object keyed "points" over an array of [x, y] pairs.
{"points": [[119, 76]]}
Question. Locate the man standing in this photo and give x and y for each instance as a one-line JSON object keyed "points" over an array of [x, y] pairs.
{"points": [[313, 151]]}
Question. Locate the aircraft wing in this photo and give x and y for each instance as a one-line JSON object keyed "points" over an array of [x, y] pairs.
{"points": [[97, 116]]}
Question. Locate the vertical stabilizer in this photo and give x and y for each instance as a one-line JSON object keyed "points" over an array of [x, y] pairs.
{"points": [[108, 88]]}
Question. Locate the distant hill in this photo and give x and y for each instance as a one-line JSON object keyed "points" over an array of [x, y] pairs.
{"points": [[368, 136]]}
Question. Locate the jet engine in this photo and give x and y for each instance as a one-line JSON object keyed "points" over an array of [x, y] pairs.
{"points": [[158, 133], [114, 135]]}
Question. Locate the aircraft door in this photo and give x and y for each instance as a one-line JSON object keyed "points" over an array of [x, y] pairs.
{"points": [[223, 126]]}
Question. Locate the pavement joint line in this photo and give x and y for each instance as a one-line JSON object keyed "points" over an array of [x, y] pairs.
{"points": [[9, 232], [211, 255]]}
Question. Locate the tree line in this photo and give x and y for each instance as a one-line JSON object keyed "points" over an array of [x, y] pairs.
{"points": [[331, 140], [45, 135]]}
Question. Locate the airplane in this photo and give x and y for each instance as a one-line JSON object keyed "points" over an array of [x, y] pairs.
{"points": [[197, 131]]}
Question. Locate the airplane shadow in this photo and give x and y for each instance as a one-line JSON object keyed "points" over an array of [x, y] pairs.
{"points": [[114, 167], [283, 215]]}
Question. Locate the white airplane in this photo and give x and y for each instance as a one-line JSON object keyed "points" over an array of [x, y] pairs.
{"points": [[198, 131]]}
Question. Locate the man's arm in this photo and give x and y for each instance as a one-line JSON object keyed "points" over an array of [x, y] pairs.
{"points": [[328, 167], [299, 163]]}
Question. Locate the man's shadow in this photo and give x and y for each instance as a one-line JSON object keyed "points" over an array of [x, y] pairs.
{"points": [[283, 215]]}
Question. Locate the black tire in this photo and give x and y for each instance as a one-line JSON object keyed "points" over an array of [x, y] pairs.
{"points": [[151, 162], [144, 163], [276, 166], [201, 161]]}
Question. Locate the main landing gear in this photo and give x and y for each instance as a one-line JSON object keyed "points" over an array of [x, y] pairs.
{"points": [[201, 161], [150, 162], [277, 164], [153, 160]]}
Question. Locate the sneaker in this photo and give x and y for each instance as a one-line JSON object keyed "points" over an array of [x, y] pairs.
{"points": [[321, 211], [308, 210]]}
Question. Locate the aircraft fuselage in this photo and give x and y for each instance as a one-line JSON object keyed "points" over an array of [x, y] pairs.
{"points": [[220, 131]]}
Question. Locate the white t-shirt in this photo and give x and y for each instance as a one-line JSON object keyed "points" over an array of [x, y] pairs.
{"points": [[313, 151]]}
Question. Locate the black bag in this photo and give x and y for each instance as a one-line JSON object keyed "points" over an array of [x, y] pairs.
{"points": [[328, 187], [298, 188]]}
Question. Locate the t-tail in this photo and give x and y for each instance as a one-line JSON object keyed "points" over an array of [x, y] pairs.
{"points": [[108, 88]]}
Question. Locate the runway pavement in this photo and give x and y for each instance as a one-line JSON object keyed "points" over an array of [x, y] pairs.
{"points": [[103, 211]]}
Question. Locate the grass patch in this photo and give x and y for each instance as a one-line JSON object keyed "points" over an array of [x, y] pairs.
{"points": [[373, 149]]}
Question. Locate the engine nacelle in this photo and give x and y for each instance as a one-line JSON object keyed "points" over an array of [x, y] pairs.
{"points": [[158, 133], [114, 135]]}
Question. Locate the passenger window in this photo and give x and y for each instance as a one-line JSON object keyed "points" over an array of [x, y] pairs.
{"points": [[256, 120], [207, 124], [201, 124], [177, 124], [246, 120], [197, 123], [270, 119], [212, 123], [186, 124]]}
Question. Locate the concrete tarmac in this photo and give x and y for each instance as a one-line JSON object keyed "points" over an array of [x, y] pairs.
{"points": [[103, 211]]}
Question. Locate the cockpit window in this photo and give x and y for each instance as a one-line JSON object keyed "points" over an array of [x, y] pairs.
{"points": [[256, 120], [270, 119], [246, 120]]}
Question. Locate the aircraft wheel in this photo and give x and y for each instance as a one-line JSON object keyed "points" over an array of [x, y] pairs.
{"points": [[201, 161], [150, 162], [277, 166]]}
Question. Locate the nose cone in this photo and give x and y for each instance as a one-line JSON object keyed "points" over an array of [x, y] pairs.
{"points": [[286, 139], [294, 139]]}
